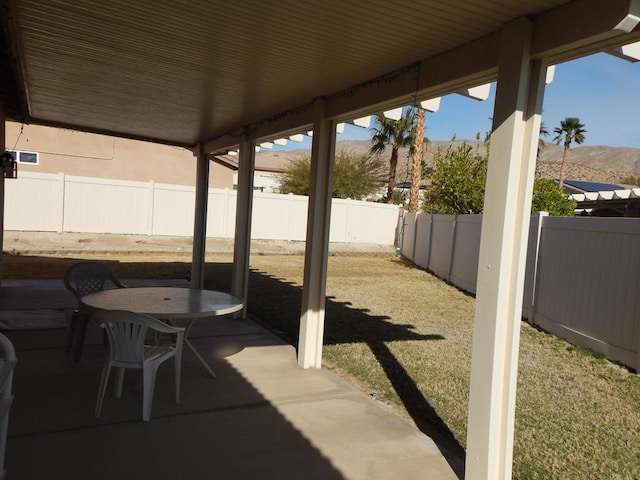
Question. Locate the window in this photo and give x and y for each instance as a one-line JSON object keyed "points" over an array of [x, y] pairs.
{"points": [[25, 157]]}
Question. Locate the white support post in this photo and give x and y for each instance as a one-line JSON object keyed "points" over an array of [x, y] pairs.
{"points": [[317, 246], [242, 242], [2, 206], [502, 258], [200, 219]]}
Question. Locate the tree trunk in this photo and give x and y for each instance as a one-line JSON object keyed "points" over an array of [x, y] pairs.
{"points": [[563, 165], [393, 164], [416, 166]]}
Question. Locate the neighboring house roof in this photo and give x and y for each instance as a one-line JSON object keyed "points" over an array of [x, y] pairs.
{"points": [[407, 185], [581, 186], [228, 161], [274, 162]]}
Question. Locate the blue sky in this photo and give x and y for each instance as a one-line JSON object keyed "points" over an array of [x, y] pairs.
{"points": [[601, 90]]}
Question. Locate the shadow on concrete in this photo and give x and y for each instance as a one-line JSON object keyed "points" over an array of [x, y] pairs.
{"points": [[226, 425]]}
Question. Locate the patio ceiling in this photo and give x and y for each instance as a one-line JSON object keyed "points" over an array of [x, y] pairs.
{"points": [[184, 72], [215, 74]]}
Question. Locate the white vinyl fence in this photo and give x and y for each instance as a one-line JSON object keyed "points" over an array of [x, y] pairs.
{"points": [[581, 280], [64, 203]]}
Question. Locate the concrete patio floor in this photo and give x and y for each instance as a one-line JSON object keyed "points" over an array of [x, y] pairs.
{"points": [[262, 417]]}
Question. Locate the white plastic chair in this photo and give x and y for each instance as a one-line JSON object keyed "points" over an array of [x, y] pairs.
{"points": [[126, 332], [7, 365], [83, 279]]}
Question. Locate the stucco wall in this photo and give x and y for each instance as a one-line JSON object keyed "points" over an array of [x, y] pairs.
{"points": [[92, 155]]}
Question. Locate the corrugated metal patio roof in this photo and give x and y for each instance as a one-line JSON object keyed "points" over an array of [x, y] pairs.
{"points": [[183, 72]]}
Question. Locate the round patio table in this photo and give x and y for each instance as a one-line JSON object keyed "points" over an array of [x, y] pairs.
{"points": [[168, 303]]}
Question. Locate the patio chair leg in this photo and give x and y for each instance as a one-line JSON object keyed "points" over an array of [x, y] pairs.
{"points": [[177, 361], [73, 324], [81, 328], [149, 371], [119, 381], [103, 387]]}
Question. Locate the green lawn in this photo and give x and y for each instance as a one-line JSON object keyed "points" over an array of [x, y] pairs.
{"points": [[404, 336]]}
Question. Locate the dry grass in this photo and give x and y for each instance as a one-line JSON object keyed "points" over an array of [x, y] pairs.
{"points": [[404, 336]]}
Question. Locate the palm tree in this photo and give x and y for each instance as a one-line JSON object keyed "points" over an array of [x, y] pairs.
{"points": [[544, 132], [396, 134], [570, 130], [416, 167]]}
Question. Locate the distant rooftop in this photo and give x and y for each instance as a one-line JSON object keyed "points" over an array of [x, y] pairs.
{"points": [[584, 186], [275, 162]]}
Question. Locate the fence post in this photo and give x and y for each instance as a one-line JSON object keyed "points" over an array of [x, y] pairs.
{"points": [[429, 242], [637, 368], [152, 195], [225, 216], [410, 255], [536, 259], [452, 250], [347, 208], [398, 241], [637, 309], [290, 201], [415, 237], [62, 180]]}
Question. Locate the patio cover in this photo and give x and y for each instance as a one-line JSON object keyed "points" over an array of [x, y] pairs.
{"points": [[218, 75]]}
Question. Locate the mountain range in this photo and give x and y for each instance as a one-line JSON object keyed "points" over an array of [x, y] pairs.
{"points": [[598, 164]]}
